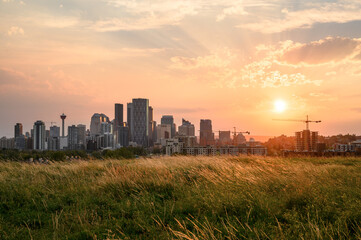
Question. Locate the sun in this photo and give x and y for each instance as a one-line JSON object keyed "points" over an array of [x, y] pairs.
{"points": [[280, 106]]}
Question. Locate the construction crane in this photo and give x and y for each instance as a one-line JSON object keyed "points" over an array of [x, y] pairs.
{"points": [[235, 132], [307, 121]]}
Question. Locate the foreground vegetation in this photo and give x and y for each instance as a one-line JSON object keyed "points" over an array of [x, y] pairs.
{"points": [[182, 198]]}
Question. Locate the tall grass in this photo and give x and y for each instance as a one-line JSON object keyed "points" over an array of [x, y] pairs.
{"points": [[182, 198]]}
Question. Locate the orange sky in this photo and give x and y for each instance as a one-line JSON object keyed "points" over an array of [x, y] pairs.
{"points": [[228, 61]]}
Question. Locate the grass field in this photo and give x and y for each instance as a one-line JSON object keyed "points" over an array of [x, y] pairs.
{"points": [[182, 198]]}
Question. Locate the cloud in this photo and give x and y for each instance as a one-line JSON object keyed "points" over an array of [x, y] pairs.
{"points": [[15, 31], [224, 68], [339, 12], [11, 77], [330, 49]]}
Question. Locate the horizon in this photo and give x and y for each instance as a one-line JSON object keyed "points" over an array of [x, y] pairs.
{"points": [[238, 63]]}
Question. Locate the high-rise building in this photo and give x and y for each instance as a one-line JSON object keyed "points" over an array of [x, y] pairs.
{"points": [[129, 119], [206, 133], [39, 135], [168, 119], [76, 137], [306, 141], [123, 132], [18, 130], [54, 138], [224, 137], [96, 123], [186, 129], [54, 132], [140, 121], [118, 118], [150, 127], [81, 135], [163, 132]]}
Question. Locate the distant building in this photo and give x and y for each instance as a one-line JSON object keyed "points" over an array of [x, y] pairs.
{"points": [[173, 146], [129, 119], [151, 128], [163, 132], [76, 137], [224, 138], [96, 123], [186, 129], [355, 146], [239, 139], [168, 119], [54, 132], [7, 143], [206, 133], [140, 121], [123, 135], [306, 141], [18, 130], [118, 119], [39, 136]]}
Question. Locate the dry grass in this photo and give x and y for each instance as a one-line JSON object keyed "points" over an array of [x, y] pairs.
{"points": [[182, 197]]}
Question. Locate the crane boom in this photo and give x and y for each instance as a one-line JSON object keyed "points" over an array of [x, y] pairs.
{"points": [[307, 121]]}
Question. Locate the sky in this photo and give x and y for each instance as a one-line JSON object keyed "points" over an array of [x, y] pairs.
{"points": [[224, 60]]}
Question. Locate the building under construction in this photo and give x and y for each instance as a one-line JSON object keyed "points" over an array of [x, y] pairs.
{"points": [[306, 141]]}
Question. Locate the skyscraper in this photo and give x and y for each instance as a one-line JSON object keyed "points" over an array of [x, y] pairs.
{"points": [[96, 122], [18, 130], [186, 129], [306, 141], [118, 118], [140, 121], [150, 126], [123, 132], [129, 119], [39, 135], [206, 133], [168, 119], [72, 137]]}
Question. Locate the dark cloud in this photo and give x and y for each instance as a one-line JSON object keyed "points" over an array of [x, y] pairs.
{"points": [[330, 49]]}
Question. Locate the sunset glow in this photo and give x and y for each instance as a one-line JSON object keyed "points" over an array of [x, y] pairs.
{"points": [[222, 60], [280, 106]]}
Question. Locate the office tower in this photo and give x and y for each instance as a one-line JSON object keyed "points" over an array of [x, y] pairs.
{"points": [[225, 137], [63, 116], [140, 121], [206, 133], [118, 118], [168, 119], [306, 141], [72, 137], [54, 132], [129, 119], [163, 132], [123, 135], [81, 136], [150, 127], [18, 130], [95, 123], [186, 129], [39, 135], [54, 138]]}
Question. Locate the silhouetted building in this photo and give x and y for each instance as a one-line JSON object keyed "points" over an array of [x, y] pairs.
{"points": [[140, 121], [129, 119], [39, 136], [206, 133], [163, 132], [18, 130], [168, 119], [306, 141], [224, 138], [76, 137], [118, 119], [123, 135], [186, 129], [96, 123]]}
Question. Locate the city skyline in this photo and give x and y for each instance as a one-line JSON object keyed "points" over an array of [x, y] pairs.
{"points": [[239, 63]]}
